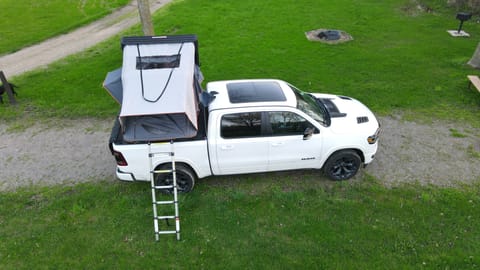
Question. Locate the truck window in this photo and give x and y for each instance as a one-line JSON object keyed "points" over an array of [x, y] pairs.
{"points": [[241, 125], [308, 104], [287, 123]]}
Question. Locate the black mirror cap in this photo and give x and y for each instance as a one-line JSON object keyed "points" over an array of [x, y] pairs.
{"points": [[307, 134]]}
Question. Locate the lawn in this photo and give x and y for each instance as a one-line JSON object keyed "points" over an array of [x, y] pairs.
{"points": [[266, 221], [30, 21], [401, 61]]}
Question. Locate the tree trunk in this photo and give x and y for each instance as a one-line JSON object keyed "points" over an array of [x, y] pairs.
{"points": [[475, 60], [145, 17]]}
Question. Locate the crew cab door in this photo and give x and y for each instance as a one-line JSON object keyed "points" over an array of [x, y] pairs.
{"points": [[240, 146], [288, 147]]}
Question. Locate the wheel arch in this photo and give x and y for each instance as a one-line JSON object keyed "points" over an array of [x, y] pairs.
{"points": [[356, 150], [159, 166]]}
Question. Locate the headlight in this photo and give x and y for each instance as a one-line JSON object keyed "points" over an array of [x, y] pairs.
{"points": [[373, 139]]}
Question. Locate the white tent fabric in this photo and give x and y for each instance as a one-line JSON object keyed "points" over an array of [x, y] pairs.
{"points": [[175, 92], [159, 95]]}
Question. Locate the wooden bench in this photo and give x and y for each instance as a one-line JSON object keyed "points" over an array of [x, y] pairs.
{"points": [[475, 81]]}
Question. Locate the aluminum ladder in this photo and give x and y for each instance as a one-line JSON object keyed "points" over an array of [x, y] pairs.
{"points": [[156, 203]]}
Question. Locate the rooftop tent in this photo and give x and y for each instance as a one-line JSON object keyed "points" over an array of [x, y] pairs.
{"points": [[160, 83]]}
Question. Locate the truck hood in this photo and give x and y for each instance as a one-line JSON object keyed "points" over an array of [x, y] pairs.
{"points": [[348, 114]]}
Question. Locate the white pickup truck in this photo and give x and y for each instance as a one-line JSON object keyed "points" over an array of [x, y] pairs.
{"points": [[259, 126], [251, 126]]}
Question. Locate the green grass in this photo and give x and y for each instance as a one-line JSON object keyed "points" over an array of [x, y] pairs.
{"points": [[397, 62], [400, 61], [267, 221], [457, 134], [27, 22]]}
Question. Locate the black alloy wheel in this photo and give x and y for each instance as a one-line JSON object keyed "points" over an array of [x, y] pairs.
{"points": [[185, 179], [342, 165]]}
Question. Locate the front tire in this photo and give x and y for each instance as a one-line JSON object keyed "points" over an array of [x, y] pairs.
{"points": [[342, 165], [185, 179]]}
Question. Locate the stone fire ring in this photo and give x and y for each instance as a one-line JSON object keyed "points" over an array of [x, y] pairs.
{"points": [[319, 35]]}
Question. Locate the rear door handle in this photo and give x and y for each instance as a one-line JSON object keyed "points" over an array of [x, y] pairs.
{"points": [[226, 147], [278, 143]]}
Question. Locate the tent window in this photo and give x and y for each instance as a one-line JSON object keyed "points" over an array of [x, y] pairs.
{"points": [[158, 61]]}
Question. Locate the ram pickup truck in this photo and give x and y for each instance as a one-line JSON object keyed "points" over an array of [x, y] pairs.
{"points": [[255, 126]]}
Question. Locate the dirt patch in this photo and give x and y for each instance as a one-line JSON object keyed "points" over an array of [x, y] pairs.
{"points": [[415, 8], [70, 152]]}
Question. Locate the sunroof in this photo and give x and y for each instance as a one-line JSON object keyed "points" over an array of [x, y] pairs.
{"points": [[242, 92]]}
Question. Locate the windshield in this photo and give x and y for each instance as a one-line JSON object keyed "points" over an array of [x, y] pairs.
{"points": [[311, 106]]}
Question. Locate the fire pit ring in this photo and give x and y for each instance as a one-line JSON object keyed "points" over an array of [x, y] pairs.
{"points": [[328, 36]]}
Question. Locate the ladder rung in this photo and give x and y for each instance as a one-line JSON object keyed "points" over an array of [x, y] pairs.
{"points": [[165, 217], [163, 187], [164, 202], [162, 171], [166, 232]]}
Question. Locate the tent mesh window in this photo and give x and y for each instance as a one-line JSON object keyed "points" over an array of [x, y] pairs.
{"points": [[158, 61]]}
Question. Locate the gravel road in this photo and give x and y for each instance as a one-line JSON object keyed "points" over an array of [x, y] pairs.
{"points": [[68, 152], [440, 153], [58, 152]]}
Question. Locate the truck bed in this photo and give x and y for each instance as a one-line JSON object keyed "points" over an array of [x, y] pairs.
{"points": [[117, 137]]}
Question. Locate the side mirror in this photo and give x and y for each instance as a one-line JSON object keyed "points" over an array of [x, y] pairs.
{"points": [[207, 98], [307, 134]]}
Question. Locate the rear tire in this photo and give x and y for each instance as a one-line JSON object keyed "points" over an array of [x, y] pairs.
{"points": [[185, 178], [342, 165]]}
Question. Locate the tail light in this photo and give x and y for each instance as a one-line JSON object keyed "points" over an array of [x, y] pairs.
{"points": [[121, 161]]}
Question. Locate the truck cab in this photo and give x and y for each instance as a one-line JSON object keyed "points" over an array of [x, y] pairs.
{"points": [[269, 125]]}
